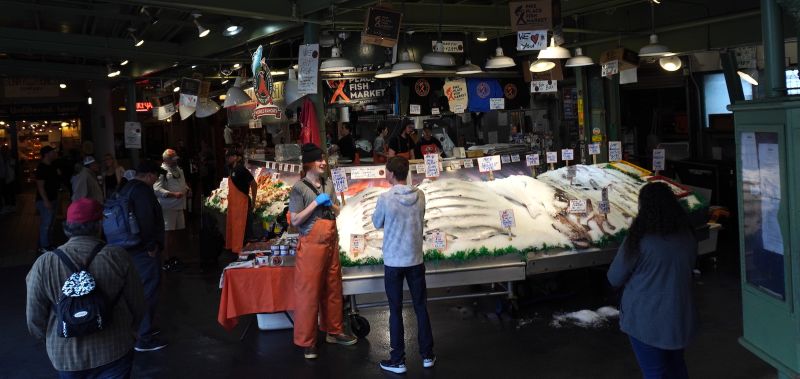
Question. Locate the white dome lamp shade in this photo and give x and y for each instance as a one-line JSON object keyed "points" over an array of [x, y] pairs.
{"points": [[406, 65], [438, 57], [579, 60], [670, 63], [235, 95], [291, 94], [749, 75], [554, 52], [542, 65], [185, 111], [336, 62], [654, 49], [468, 68], [206, 107], [499, 60], [386, 72]]}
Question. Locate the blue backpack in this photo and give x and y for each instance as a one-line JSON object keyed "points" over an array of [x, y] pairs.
{"points": [[119, 222]]}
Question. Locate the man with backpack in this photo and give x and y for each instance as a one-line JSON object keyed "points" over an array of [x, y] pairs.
{"points": [[85, 298]]}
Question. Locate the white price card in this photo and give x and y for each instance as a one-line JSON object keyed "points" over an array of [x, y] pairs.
{"points": [[594, 149], [420, 167], [605, 207], [375, 172], [609, 68], [577, 206], [468, 163], [497, 103], [459, 108], [552, 157], [571, 172], [490, 163], [532, 160], [357, 243], [431, 165], [507, 219], [414, 109], [567, 155], [339, 180], [659, 159], [439, 240], [435, 111], [614, 151], [544, 86], [505, 159], [514, 158], [456, 165]]}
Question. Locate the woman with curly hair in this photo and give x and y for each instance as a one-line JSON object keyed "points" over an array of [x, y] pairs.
{"points": [[654, 268]]}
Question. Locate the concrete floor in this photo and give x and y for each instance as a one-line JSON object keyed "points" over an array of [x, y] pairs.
{"points": [[471, 339]]}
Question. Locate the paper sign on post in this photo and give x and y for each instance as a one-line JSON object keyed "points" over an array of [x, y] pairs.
{"points": [[659, 159], [567, 155], [468, 163], [577, 206], [552, 157], [497, 103], [604, 207], [357, 243], [439, 240], [594, 148], [614, 151], [491, 163], [504, 159], [507, 219], [514, 158], [367, 173], [414, 109], [339, 180], [431, 165], [420, 167], [133, 135], [532, 160]]}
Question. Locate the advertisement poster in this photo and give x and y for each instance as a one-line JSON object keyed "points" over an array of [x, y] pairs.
{"points": [[456, 93], [133, 135]]}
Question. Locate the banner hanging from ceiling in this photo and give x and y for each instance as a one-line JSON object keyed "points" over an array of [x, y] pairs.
{"points": [[382, 27], [308, 67], [456, 93], [264, 87], [357, 91]]}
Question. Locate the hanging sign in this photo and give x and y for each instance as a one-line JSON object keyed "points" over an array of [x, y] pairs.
{"points": [[490, 163], [358, 90], [450, 46], [133, 135], [531, 40], [597, 135], [609, 68], [339, 180], [29, 87], [567, 155], [190, 89], [614, 151], [532, 160], [497, 103], [382, 27], [357, 243], [659, 159], [594, 148], [308, 69], [531, 15], [552, 157], [544, 86], [577, 206], [431, 165], [456, 93]]}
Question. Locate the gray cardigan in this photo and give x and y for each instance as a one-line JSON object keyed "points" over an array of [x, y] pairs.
{"points": [[657, 306], [401, 212]]}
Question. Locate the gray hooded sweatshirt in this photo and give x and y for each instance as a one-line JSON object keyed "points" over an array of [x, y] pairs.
{"points": [[400, 212]]}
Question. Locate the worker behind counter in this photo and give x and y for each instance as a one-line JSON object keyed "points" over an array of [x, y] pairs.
{"points": [[402, 145], [346, 144], [428, 144]]}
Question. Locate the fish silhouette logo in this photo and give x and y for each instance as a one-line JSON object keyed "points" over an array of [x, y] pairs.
{"points": [[483, 90], [422, 87], [510, 91]]}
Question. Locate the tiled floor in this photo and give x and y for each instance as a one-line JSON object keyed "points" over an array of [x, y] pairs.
{"points": [[472, 341]]}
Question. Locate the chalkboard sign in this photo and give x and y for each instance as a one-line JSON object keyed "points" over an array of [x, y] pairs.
{"points": [[382, 27]]}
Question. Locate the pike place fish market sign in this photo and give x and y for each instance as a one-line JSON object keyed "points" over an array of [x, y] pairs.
{"points": [[357, 91]]}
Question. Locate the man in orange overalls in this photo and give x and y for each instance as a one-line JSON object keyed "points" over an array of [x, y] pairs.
{"points": [[318, 272]]}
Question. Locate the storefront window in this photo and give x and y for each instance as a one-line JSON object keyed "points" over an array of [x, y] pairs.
{"points": [[792, 82], [716, 94]]}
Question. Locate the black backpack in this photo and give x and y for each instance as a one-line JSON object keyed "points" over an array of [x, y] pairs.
{"points": [[82, 308]]}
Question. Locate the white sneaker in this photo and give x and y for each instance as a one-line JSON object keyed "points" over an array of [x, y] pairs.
{"points": [[397, 368], [429, 362]]}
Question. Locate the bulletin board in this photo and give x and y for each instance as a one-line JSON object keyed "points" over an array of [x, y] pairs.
{"points": [[764, 216]]}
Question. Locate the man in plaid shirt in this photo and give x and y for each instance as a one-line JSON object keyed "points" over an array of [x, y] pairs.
{"points": [[107, 353]]}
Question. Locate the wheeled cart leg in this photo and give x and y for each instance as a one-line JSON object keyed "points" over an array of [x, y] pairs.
{"points": [[358, 324]]}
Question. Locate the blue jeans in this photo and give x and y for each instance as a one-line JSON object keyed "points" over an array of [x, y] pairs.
{"points": [[46, 224], [657, 363], [393, 281], [149, 270], [119, 369]]}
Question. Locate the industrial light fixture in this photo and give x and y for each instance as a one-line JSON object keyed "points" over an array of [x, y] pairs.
{"points": [[554, 52], [336, 62], [482, 37], [201, 31], [237, 66], [231, 29], [499, 60], [749, 75], [136, 41], [225, 81], [654, 49], [278, 72], [468, 67], [235, 94], [194, 66], [176, 89], [542, 65], [386, 72], [206, 107], [112, 72], [89, 100], [670, 63], [438, 57], [579, 60], [406, 65], [295, 66], [62, 86], [222, 97], [123, 62], [153, 19]]}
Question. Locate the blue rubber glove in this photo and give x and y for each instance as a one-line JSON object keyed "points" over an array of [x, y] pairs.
{"points": [[324, 199]]}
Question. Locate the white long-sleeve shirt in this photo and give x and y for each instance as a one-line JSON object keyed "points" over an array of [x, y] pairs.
{"points": [[174, 181]]}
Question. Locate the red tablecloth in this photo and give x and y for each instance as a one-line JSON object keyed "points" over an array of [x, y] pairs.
{"points": [[255, 290]]}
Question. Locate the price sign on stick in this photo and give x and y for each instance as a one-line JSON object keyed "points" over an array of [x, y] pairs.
{"points": [[659, 160], [439, 240], [567, 155], [571, 173], [594, 151], [414, 109], [468, 163], [505, 159], [431, 165], [514, 158], [532, 160], [507, 220], [357, 244], [614, 151], [489, 164], [552, 158], [339, 180], [605, 207], [577, 206]]}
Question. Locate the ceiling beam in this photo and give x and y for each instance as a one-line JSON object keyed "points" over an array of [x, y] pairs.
{"points": [[76, 11], [272, 10], [19, 68]]}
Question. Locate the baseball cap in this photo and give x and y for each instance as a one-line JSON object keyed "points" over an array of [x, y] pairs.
{"points": [[45, 150], [170, 154], [84, 210]]}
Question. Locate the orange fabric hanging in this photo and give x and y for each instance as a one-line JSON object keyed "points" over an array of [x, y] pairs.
{"points": [[236, 219], [318, 284]]}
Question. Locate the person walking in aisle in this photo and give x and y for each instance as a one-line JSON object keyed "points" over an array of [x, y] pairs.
{"points": [[85, 184], [47, 182], [113, 174], [318, 272], [379, 147], [242, 190], [653, 267], [172, 191], [106, 353], [400, 211], [147, 255]]}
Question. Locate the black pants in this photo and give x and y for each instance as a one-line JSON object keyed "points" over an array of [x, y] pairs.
{"points": [[119, 369], [393, 281], [149, 269]]}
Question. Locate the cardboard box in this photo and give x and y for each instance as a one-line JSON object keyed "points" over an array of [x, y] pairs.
{"points": [[627, 59], [474, 153]]}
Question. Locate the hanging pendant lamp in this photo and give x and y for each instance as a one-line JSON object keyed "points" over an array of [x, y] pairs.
{"points": [[579, 60], [670, 63], [386, 71], [206, 107], [468, 68], [235, 95], [554, 52], [438, 57], [654, 49], [499, 60], [336, 62], [542, 65]]}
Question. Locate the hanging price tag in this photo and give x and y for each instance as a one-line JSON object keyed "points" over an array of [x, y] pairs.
{"points": [[659, 159], [594, 148], [435, 111], [488, 164], [339, 180], [505, 159], [507, 219], [609, 68], [532, 160], [614, 151], [567, 155], [439, 241], [514, 158], [604, 207], [552, 157], [577, 206], [357, 243], [431, 165], [497, 103]]}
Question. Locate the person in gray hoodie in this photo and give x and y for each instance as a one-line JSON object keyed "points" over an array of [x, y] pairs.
{"points": [[400, 212]]}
